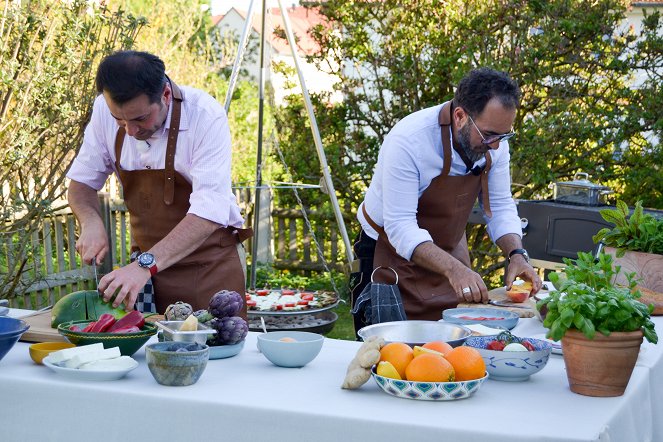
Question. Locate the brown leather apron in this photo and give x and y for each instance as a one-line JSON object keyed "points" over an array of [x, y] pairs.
{"points": [[443, 210], [157, 201]]}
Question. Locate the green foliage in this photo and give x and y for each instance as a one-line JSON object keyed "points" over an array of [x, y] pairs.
{"points": [[587, 300], [48, 54], [638, 232]]}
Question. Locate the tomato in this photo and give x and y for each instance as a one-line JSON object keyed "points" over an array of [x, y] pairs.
{"points": [[307, 296], [289, 304], [251, 303], [262, 292], [248, 296], [302, 302], [279, 307], [495, 345], [287, 292], [528, 346]]}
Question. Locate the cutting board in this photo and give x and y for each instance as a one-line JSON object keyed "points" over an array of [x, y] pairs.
{"points": [[499, 294], [40, 329]]}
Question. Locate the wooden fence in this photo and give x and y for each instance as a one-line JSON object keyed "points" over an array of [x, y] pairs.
{"points": [[54, 269]]}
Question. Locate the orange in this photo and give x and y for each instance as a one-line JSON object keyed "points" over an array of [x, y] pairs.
{"points": [[399, 354], [428, 367], [467, 363], [440, 346]]}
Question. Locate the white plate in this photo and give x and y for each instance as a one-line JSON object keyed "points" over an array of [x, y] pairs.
{"points": [[88, 375], [556, 345]]}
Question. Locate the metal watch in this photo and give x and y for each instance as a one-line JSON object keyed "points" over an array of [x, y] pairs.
{"points": [[147, 261], [519, 252]]}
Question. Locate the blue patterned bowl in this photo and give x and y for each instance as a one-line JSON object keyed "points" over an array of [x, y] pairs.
{"points": [[428, 391], [512, 365]]}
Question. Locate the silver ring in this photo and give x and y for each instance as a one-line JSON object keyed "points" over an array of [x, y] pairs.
{"points": [[466, 290]]}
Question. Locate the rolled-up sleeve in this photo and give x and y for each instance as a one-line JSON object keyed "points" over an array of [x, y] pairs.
{"points": [[210, 170], [93, 165], [505, 218], [401, 197]]}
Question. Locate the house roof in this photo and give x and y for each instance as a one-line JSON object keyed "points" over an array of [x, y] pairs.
{"points": [[301, 20]]}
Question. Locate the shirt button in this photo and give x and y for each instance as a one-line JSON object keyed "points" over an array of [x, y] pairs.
{"points": [[147, 167]]}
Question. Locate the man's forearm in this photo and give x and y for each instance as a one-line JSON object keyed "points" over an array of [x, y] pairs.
{"points": [[433, 258], [509, 242], [84, 202], [186, 237]]}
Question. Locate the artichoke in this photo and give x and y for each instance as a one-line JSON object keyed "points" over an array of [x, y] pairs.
{"points": [[225, 303], [178, 311], [229, 330], [204, 317]]}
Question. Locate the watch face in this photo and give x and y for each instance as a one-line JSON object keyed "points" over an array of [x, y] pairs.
{"points": [[146, 259]]}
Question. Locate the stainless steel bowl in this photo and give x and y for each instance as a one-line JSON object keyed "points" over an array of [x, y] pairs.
{"points": [[417, 332]]}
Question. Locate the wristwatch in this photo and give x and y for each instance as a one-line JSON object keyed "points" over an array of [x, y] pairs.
{"points": [[147, 261], [519, 252]]}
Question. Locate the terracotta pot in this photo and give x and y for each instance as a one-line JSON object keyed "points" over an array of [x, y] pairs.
{"points": [[601, 366], [647, 266]]}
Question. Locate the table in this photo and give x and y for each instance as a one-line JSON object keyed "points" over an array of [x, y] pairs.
{"points": [[246, 398]]}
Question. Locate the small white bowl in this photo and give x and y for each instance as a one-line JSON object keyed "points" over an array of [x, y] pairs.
{"points": [[305, 347], [511, 365]]}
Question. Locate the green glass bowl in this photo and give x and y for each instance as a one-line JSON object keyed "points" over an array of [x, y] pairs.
{"points": [[129, 343]]}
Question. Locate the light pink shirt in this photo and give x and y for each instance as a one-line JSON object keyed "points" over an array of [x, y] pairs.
{"points": [[203, 154]]}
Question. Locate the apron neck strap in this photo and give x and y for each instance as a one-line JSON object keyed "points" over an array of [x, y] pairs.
{"points": [[173, 132]]}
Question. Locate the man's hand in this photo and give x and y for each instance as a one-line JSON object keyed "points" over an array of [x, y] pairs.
{"points": [[124, 283], [462, 279], [92, 243], [518, 266]]}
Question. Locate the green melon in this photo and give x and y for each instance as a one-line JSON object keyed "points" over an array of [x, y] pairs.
{"points": [[82, 305]]}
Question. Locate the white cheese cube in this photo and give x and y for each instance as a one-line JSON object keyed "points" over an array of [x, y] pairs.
{"points": [[121, 363], [79, 360], [61, 355]]}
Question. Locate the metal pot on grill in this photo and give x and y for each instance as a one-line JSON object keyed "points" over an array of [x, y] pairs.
{"points": [[580, 191]]}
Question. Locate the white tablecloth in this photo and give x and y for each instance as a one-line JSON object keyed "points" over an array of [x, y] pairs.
{"points": [[246, 398]]}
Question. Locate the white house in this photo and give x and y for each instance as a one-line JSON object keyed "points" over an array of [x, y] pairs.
{"points": [[277, 49]]}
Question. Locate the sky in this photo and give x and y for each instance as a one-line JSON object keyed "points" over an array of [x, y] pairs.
{"points": [[222, 6]]}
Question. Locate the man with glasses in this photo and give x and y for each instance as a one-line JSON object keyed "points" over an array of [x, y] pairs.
{"points": [[432, 167]]}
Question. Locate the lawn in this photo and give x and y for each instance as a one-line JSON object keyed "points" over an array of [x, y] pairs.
{"points": [[344, 327]]}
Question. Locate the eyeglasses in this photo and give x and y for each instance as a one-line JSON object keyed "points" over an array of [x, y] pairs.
{"points": [[492, 138]]}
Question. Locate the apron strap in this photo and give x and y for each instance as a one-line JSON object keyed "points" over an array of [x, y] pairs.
{"points": [[173, 132], [119, 141], [444, 119]]}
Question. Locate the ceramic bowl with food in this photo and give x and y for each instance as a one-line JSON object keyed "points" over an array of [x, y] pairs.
{"points": [[490, 317], [417, 332], [176, 364], [11, 330], [290, 349], [512, 365], [129, 343], [42, 349], [428, 391]]}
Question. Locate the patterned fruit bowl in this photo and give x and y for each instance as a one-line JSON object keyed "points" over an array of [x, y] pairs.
{"points": [[428, 391]]}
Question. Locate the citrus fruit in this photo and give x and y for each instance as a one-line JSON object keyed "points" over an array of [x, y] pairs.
{"points": [[417, 350], [429, 367], [439, 346], [399, 354], [386, 369], [467, 362]]}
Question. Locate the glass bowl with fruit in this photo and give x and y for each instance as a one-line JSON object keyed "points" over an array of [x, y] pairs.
{"points": [[510, 358]]}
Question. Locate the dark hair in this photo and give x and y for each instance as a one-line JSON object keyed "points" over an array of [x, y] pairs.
{"points": [[125, 75], [479, 86]]}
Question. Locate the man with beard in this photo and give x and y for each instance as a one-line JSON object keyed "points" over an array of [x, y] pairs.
{"points": [[432, 167], [170, 148]]}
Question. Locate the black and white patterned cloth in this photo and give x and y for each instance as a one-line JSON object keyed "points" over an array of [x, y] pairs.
{"points": [[380, 302], [145, 302]]}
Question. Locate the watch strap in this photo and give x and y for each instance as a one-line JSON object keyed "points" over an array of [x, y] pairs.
{"points": [[153, 269], [519, 252]]}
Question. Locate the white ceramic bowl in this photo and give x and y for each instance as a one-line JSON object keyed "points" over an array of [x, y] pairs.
{"points": [[512, 365], [303, 350]]}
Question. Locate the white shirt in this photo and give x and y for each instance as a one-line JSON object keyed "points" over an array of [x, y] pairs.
{"points": [[409, 159], [203, 154]]}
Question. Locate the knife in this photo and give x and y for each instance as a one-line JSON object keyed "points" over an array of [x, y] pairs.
{"points": [[96, 279], [505, 304]]}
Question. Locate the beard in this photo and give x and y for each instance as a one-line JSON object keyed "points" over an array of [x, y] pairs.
{"points": [[475, 153]]}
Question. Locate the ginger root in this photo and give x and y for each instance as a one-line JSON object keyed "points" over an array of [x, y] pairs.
{"points": [[359, 370]]}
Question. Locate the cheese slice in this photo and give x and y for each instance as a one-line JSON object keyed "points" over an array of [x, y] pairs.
{"points": [[79, 360], [62, 355], [121, 363]]}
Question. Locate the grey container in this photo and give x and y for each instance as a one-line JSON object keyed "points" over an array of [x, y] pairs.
{"points": [[171, 332], [580, 191], [175, 368]]}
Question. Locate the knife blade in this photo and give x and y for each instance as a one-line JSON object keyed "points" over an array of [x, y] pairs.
{"points": [[508, 304], [96, 279]]}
